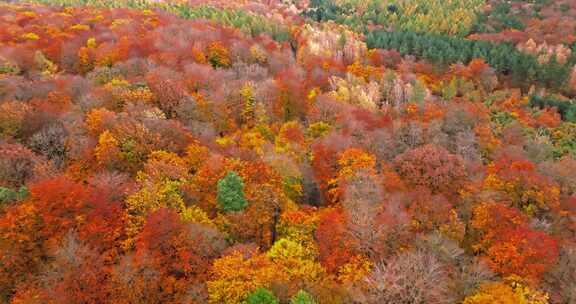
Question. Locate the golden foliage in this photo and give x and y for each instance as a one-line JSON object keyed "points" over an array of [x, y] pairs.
{"points": [[509, 292]]}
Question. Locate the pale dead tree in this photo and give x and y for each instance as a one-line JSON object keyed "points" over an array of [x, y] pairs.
{"points": [[399, 94], [407, 136], [50, 142], [466, 145], [75, 269], [412, 277], [382, 144], [134, 280], [466, 273], [362, 202], [562, 172], [387, 88], [559, 281]]}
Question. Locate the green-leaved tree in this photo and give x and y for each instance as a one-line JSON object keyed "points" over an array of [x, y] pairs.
{"points": [[262, 296], [231, 193], [302, 297], [8, 195]]}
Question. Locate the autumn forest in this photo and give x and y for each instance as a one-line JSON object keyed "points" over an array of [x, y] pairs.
{"points": [[288, 151]]}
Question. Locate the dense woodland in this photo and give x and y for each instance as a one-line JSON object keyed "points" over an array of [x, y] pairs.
{"points": [[285, 151]]}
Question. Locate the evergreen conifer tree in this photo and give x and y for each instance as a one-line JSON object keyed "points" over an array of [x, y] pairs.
{"points": [[230, 194]]}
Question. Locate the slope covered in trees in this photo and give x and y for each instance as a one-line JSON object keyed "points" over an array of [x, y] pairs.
{"points": [[284, 152]]}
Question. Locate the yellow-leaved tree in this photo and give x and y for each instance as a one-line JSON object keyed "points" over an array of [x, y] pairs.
{"points": [[511, 291]]}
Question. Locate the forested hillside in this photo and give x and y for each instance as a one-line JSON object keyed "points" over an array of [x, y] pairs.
{"points": [[288, 151]]}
